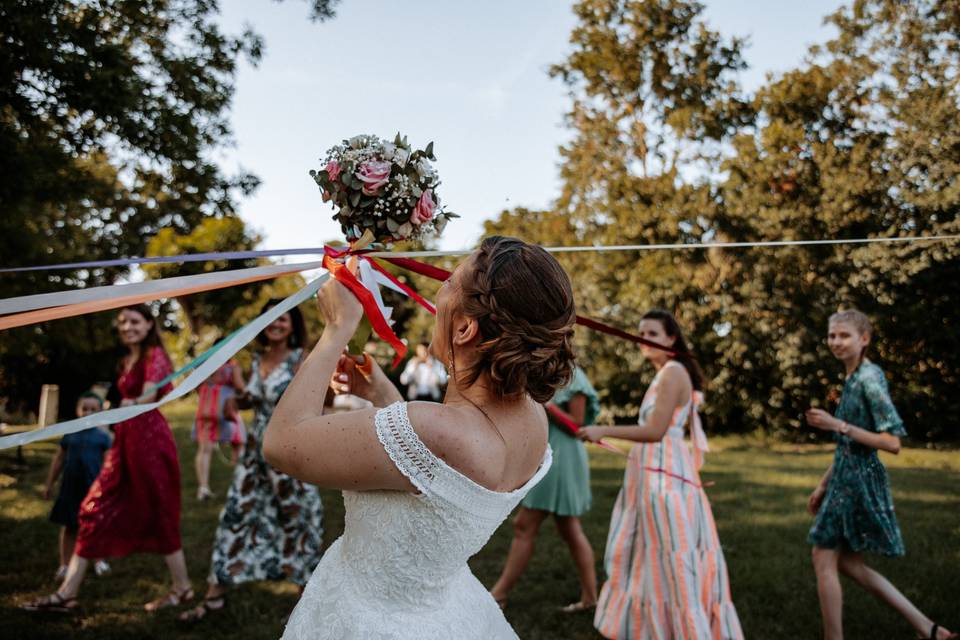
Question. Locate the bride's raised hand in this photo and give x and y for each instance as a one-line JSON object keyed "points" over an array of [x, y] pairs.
{"points": [[339, 308]]}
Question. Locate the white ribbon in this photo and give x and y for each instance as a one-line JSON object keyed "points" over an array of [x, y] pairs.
{"points": [[371, 279], [201, 373], [153, 287]]}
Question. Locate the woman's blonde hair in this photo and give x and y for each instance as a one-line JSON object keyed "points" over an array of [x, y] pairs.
{"points": [[858, 319]]}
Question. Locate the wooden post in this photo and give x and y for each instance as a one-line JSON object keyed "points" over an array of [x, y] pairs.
{"points": [[49, 403]]}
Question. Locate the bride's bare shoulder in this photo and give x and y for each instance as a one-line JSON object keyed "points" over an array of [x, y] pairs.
{"points": [[455, 435]]}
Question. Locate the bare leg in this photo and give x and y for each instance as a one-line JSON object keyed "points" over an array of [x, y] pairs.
{"points": [[202, 462], [68, 538], [572, 533], [525, 528], [825, 563], [852, 565], [177, 563], [76, 571]]}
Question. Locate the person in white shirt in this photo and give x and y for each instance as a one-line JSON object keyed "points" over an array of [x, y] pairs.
{"points": [[423, 376]]}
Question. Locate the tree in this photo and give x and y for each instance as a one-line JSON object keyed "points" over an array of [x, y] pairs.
{"points": [[653, 99], [862, 139], [109, 114]]}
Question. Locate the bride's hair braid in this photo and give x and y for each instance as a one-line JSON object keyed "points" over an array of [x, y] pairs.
{"points": [[522, 300]]}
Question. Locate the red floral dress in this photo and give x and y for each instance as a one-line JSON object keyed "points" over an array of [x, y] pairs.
{"points": [[134, 504]]}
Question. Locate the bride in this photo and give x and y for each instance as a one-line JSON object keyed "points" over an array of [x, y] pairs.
{"points": [[426, 484]]}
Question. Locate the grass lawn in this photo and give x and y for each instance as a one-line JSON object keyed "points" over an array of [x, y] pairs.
{"points": [[759, 502]]}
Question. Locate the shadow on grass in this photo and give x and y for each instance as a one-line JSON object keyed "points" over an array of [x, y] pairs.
{"points": [[759, 502]]}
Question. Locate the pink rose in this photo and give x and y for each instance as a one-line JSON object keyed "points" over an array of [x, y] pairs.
{"points": [[374, 176], [423, 212], [333, 170]]}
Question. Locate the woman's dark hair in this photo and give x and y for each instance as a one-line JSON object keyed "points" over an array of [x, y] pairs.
{"points": [[297, 337], [152, 339], [683, 354], [522, 300], [92, 395]]}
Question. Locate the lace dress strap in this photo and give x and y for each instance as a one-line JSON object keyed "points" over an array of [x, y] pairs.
{"points": [[405, 448], [434, 478]]}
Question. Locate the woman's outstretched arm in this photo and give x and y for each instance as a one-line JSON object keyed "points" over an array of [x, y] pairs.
{"points": [[673, 393]]}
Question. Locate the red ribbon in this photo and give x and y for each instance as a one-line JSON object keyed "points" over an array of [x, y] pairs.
{"points": [[437, 273], [679, 477], [574, 428], [406, 289], [342, 274]]}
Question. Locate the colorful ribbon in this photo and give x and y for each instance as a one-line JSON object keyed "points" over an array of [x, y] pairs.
{"points": [[374, 311], [227, 349], [117, 296], [266, 253]]}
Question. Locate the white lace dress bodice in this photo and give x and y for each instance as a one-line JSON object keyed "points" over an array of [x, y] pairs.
{"points": [[400, 568]]}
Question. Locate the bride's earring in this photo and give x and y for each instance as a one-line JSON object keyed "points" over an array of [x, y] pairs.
{"points": [[453, 370]]}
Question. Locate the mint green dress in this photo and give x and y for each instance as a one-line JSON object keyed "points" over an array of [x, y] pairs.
{"points": [[565, 490], [857, 511]]}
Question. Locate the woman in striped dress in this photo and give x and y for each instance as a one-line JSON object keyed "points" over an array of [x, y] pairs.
{"points": [[666, 575]]}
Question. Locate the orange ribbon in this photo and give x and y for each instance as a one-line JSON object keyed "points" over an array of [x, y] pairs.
{"points": [[342, 273]]}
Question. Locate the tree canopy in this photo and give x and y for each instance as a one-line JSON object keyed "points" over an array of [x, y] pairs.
{"points": [[861, 140], [110, 113]]}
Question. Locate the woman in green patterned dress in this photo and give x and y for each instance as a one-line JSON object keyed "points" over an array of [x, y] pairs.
{"points": [[563, 492], [852, 504]]}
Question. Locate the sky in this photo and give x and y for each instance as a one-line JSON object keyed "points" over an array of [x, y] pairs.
{"points": [[469, 76]]}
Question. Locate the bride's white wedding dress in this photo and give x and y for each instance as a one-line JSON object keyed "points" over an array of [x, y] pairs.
{"points": [[400, 568]]}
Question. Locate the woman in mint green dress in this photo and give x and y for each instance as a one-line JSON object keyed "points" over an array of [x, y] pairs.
{"points": [[564, 492], [853, 506]]}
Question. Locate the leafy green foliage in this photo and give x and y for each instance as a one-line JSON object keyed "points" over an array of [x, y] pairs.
{"points": [[109, 115], [863, 139]]}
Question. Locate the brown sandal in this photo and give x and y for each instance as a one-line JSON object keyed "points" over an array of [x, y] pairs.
{"points": [[198, 613], [172, 599], [53, 603]]}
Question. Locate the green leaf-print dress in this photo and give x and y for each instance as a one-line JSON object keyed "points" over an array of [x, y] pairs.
{"points": [[857, 511]]}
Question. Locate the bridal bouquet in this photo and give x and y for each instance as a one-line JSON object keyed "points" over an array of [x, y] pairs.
{"points": [[383, 192]]}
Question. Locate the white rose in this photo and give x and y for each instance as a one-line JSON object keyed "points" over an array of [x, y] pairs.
{"points": [[357, 142], [389, 149], [424, 168], [401, 156]]}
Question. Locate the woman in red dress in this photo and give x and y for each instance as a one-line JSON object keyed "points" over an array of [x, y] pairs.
{"points": [[134, 504]]}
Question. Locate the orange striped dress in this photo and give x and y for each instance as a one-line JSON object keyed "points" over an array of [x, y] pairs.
{"points": [[667, 577]]}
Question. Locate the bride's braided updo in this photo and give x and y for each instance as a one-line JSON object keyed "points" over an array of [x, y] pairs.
{"points": [[522, 300]]}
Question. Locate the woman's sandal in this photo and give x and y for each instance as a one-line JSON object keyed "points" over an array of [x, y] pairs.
{"points": [[53, 603], [578, 607], [935, 628], [198, 613], [172, 599]]}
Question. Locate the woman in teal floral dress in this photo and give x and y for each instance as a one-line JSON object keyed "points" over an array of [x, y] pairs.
{"points": [[853, 506], [563, 492]]}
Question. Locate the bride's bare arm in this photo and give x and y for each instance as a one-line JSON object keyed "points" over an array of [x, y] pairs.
{"points": [[339, 450]]}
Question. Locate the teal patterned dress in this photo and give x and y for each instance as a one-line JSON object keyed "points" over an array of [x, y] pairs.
{"points": [[857, 510], [565, 490]]}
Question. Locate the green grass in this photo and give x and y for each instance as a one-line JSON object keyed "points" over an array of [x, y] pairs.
{"points": [[759, 502]]}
